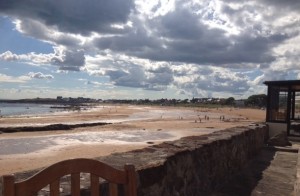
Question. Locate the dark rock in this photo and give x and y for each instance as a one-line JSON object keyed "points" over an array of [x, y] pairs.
{"points": [[50, 127]]}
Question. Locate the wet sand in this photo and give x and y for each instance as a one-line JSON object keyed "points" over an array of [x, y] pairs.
{"points": [[132, 127]]}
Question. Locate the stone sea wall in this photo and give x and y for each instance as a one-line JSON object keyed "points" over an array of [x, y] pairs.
{"points": [[194, 165]]}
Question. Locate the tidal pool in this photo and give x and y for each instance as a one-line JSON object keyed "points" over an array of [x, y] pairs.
{"points": [[34, 144]]}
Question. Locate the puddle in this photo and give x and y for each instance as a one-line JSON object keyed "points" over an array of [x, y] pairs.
{"points": [[35, 144]]}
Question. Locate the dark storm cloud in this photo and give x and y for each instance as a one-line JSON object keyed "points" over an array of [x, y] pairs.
{"points": [[39, 31], [70, 60], [180, 24], [135, 42], [161, 76], [181, 36], [194, 40], [248, 49], [75, 16], [135, 77]]}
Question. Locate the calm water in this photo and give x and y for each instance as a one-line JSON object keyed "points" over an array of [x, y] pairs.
{"points": [[17, 109]]}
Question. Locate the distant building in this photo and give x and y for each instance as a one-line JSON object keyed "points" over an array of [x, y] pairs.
{"points": [[239, 103]]}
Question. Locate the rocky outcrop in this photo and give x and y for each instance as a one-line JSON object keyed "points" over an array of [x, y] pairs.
{"points": [[50, 127]]}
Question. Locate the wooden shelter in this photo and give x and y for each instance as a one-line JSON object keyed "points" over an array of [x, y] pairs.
{"points": [[283, 107]]}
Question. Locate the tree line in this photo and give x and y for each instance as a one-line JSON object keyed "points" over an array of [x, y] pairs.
{"points": [[259, 100]]}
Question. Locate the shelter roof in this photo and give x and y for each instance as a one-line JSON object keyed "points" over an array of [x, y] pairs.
{"points": [[289, 84]]}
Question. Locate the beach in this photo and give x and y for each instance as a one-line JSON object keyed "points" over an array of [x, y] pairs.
{"points": [[130, 127]]}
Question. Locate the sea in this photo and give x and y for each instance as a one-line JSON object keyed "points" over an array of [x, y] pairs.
{"points": [[24, 109]]}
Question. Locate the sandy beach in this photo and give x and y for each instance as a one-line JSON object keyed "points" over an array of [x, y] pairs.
{"points": [[132, 127]]}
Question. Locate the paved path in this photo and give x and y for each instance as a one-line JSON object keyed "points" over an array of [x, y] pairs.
{"points": [[279, 177], [271, 173]]}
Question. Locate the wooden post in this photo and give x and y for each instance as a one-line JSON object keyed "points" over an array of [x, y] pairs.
{"points": [[75, 184], [54, 188], [113, 189], [8, 183], [95, 185], [293, 104], [268, 112], [288, 115], [132, 180]]}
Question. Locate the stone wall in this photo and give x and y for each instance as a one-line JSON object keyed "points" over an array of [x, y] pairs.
{"points": [[194, 165]]}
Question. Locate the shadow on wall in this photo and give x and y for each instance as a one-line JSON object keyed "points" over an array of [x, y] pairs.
{"points": [[244, 182]]}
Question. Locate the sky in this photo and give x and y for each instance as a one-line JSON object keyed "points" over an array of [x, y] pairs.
{"points": [[138, 49]]}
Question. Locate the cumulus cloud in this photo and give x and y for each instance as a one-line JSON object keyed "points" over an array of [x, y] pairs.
{"points": [[66, 60], [39, 75], [12, 79], [39, 30], [9, 56], [79, 17], [183, 35], [135, 73], [162, 76], [69, 60], [131, 78], [197, 47], [206, 81]]}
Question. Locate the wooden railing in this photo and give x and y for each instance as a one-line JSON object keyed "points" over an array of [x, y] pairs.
{"points": [[51, 176]]}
